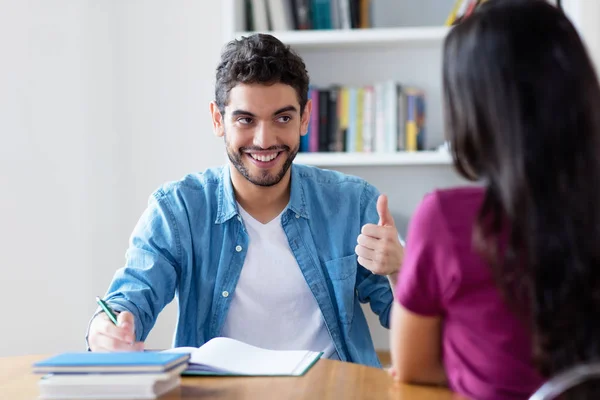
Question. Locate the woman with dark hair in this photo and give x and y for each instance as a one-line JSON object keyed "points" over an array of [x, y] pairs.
{"points": [[500, 285]]}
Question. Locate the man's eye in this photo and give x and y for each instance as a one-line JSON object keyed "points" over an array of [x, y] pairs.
{"points": [[245, 120], [284, 118]]}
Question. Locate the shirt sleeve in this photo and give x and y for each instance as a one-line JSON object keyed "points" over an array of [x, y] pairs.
{"points": [[147, 282], [418, 288]]}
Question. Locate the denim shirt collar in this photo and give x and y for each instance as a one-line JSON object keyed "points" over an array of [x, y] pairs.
{"points": [[227, 206]]}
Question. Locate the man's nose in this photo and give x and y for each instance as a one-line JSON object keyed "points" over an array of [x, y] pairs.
{"points": [[263, 136]]}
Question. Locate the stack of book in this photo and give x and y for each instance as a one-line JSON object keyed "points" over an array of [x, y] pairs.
{"points": [[386, 117], [144, 375]]}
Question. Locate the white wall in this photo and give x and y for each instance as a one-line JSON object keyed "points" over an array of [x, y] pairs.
{"points": [[167, 53], [55, 122], [100, 102], [585, 15]]}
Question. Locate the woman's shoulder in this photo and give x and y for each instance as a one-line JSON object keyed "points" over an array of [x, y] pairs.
{"points": [[457, 196], [456, 202], [454, 208]]}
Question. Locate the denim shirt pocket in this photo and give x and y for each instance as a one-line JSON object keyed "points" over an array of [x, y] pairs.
{"points": [[342, 272]]}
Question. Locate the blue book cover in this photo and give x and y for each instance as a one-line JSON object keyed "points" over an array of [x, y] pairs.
{"points": [[87, 362], [321, 14]]}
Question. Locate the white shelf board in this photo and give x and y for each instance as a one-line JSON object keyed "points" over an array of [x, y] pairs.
{"points": [[356, 37], [374, 159]]}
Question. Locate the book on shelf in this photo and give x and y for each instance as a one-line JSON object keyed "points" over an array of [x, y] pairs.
{"points": [[226, 356], [285, 15], [382, 118]]}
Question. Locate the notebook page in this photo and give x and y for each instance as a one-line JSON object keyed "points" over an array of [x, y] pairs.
{"points": [[308, 360], [186, 350], [240, 358]]}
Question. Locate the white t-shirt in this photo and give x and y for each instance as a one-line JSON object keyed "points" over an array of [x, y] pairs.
{"points": [[272, 306]]}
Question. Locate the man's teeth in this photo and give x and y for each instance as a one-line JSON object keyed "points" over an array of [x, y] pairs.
{"points": [[264, 158]]}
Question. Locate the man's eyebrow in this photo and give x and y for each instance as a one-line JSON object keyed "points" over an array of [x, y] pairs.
{"points": [[242, 112], [291, 108], [285, 109]]}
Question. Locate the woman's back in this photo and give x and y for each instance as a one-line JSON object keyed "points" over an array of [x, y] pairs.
{"points": [[486, 348]]}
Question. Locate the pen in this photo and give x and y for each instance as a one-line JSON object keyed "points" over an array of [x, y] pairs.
{"points": [[107, 310]]}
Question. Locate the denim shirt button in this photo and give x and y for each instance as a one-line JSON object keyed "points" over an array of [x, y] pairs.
{"points": [[239, 218], [238, 248], [297, 216], [225, 293]]}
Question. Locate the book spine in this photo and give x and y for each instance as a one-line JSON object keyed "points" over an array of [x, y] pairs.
{"points": [[351, 136], [379, 144], [344, 113], [280, 13], [391, 115], [332, 118], [365, 14], [401, 119], [360, 108], [336, 22], [345, 17], [313, 141], [248, 15], [301, 12], [321, 14], [323, 120], [354, 13], [368, 119], [421, 135], [259, 15], [411, 123]]}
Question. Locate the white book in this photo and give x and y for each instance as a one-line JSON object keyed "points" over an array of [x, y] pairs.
{"points": [[260, 16], [379, 143], [368, 119], [345, 20], [336, 17], [281, 16], [391, 117], [109, 386], [225, 356]]}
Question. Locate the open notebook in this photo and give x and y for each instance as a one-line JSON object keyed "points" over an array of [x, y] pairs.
{"points": [[225, 356]]}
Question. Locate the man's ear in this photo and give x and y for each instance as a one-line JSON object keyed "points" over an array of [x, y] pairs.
{"points": [[217, 120], [305, 118]]}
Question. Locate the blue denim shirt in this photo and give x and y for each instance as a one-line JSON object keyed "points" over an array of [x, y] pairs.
{"points": [[191, 243]]}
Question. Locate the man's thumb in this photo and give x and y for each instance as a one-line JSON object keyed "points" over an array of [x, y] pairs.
{"points": [[385, 216], [125, 318]]}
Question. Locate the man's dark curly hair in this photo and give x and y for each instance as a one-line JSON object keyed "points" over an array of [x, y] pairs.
{"points": [[259, 58]]}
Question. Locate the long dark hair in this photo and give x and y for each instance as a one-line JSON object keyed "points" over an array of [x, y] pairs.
{"points": [[522, 105]]}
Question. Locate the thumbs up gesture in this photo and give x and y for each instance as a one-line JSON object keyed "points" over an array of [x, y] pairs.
{"points": [[379, 249]]}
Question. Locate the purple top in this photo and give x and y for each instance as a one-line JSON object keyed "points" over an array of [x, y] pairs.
{"points": [[486, 350]]}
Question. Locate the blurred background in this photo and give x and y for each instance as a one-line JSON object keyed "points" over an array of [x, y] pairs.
{"points": [[102, 101]]}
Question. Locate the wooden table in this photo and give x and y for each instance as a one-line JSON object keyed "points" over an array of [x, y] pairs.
{"points": [[326, 380]]}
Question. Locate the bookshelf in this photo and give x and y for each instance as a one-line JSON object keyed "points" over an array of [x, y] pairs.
{"points": [[375, 159], [316, 39]]}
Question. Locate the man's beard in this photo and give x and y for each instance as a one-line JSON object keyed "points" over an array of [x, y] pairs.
{"points": [[266, 178]]}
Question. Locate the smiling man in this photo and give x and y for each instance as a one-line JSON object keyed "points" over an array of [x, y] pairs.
{"points": [[262, 250]]}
